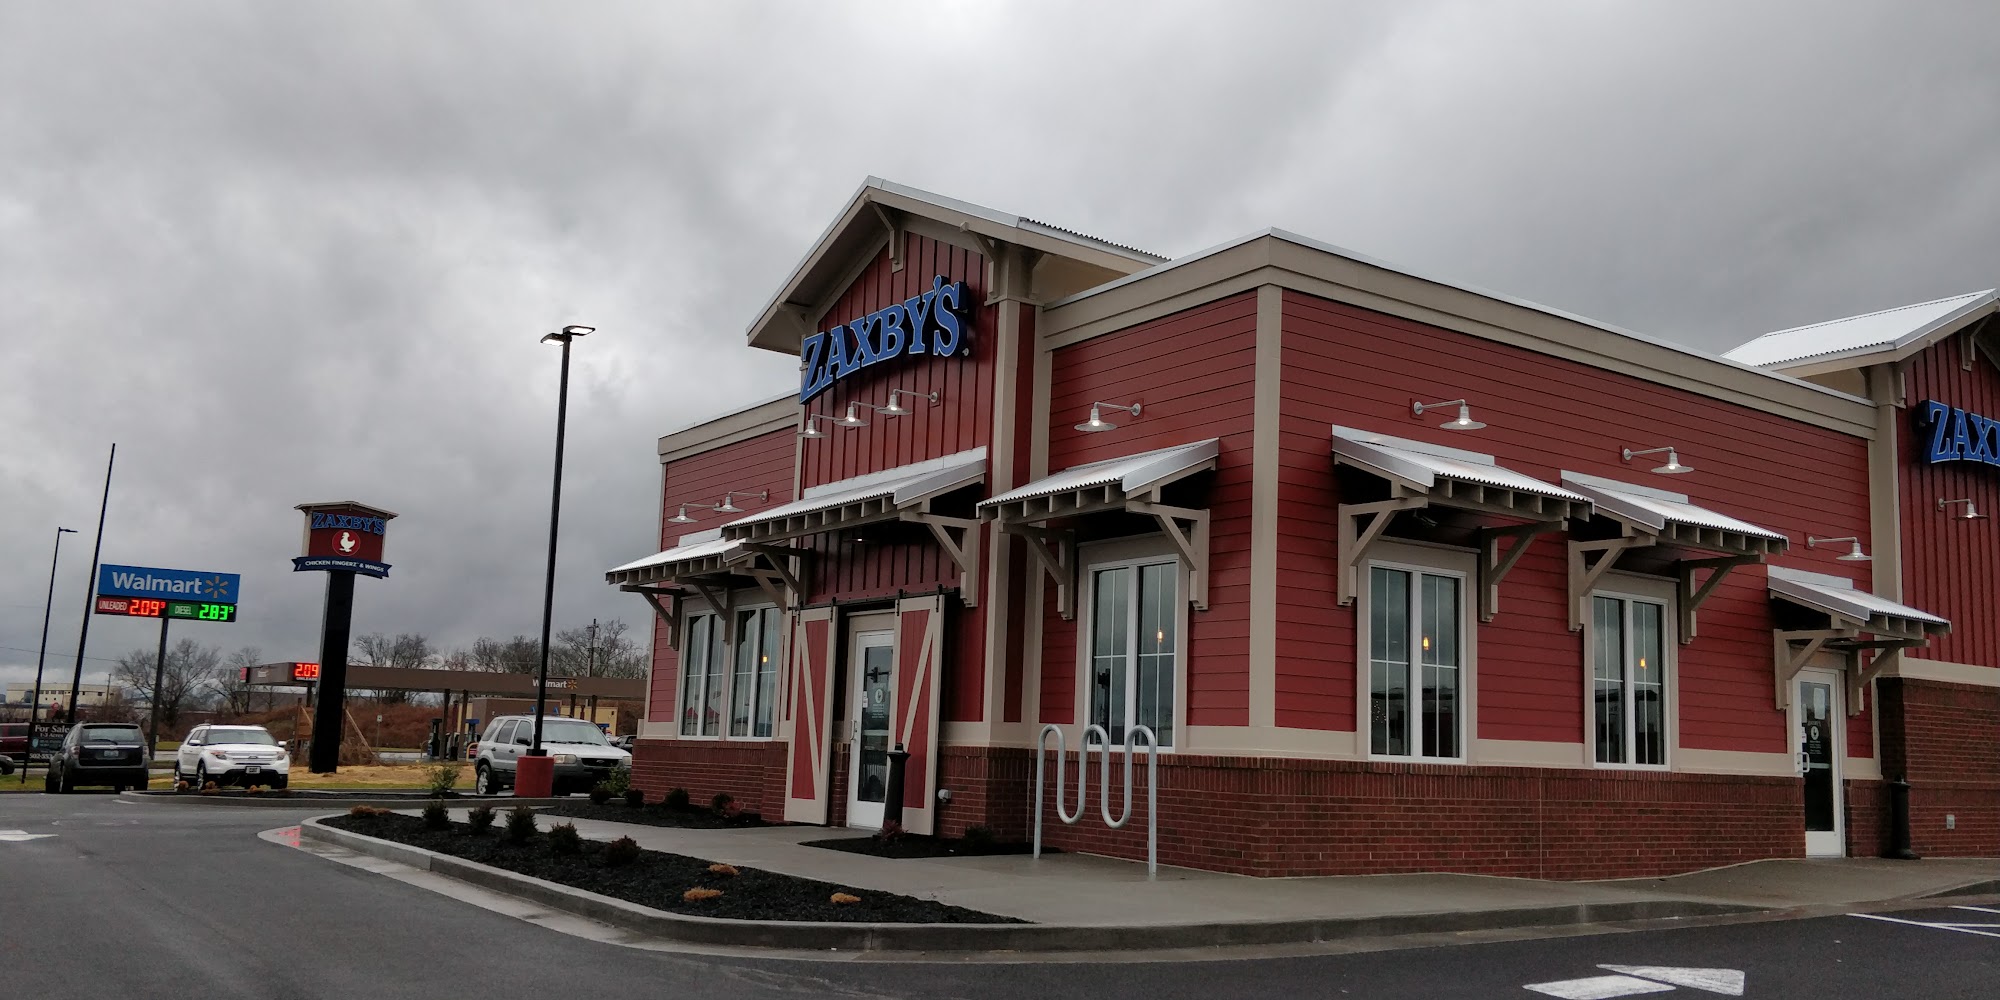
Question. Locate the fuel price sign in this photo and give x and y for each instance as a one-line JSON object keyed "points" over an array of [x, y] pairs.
{"points": [[153, 607]]}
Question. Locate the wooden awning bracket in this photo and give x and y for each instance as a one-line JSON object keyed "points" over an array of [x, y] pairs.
{"points": [[895, 235], [1191, 542], [959, 538], [1494, 566], [1788, 659], [1692, 597], [1356, 538], [666, 604], [1055, 551], [1584, 574]]}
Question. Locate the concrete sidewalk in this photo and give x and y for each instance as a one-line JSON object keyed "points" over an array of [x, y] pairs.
{"points": [[1081, 890]]}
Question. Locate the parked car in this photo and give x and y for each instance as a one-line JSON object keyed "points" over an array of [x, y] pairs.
{"points": [[583, 755], [13, 746], [232, 755], [623, 742], [98, 753]]}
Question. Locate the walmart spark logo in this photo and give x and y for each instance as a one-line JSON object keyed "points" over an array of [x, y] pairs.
{"points": [[216, 589]]}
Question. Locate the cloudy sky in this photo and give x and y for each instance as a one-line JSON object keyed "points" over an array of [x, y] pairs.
{"points": [[294, 252]]}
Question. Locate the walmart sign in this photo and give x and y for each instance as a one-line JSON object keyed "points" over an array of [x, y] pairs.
{"points": [[183, 584]]}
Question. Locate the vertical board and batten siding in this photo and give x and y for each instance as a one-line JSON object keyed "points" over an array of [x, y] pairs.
{"points": [[1951, 567], [847, 570], [763, 462], [1195, 372], [1348, 365]]}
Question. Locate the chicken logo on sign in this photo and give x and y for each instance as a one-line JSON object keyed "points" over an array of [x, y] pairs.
{"points": [[347, 542]]}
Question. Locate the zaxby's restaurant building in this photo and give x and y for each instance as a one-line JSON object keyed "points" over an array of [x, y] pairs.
{"points": [[1402, 574]]}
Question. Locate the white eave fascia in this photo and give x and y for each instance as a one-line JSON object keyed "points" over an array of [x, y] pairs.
{"points": [[1905, 346]]}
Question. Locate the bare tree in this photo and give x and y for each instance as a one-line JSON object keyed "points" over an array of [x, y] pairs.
{"points": [[189, 669], [519, 655], [231, 684], [408, 650], [602, 649]]}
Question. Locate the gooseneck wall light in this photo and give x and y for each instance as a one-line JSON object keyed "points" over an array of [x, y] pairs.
{"points": [[896, 407], [728, 504], [1463, 422], [1853, 554], [1097, 422], [683, 518], [1673, 466], [1971, 512]]}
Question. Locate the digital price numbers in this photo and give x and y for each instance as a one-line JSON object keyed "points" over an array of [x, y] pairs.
{"points": [[152, 607], [305, 671]]}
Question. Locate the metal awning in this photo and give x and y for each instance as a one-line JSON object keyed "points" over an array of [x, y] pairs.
{"points": [[1850, 612], [689, 558], [1132, 483], [702, 562], [1648, 517], [1421, 474], [904, 493]]}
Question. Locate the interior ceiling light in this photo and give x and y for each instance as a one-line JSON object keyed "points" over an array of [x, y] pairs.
{"points": [[728, 505], [1097, 422], [1971, 512], [1673, 466], [1463, 422], [1853, 555], [896, 407]]}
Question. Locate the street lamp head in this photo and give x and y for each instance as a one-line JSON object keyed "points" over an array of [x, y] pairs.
{"points": [[578, 331], [65, 531]]}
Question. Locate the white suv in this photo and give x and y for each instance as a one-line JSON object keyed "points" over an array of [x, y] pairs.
{"points": [[232, 755]]}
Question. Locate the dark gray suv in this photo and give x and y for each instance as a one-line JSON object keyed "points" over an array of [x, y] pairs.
{"points": [[99, 753], [583, 755]]}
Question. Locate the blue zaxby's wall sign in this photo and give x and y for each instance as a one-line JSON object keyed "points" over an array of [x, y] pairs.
{"points": [[938, 322], [1956, 435], [171, 584]]}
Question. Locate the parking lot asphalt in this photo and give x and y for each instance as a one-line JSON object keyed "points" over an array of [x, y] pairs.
{"points": [[102, 897]]}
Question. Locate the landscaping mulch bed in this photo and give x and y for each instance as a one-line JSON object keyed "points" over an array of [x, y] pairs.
{"points": [[653, 815], [912, 847], [658, 879]]}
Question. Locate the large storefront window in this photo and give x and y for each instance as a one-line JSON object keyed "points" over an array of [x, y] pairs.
{"points": [[753, 690], [701, 676], [1629, 683], [1134, 647], [1414, 653]]}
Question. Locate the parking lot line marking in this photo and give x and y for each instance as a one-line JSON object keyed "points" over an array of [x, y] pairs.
{"points": [[1920, 923], [21, 836], [1598, 988], [1977, 909]]}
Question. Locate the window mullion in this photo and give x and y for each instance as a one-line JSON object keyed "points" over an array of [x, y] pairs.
{"points": [[1413, 730], [1631, 684], [1131, 665]]}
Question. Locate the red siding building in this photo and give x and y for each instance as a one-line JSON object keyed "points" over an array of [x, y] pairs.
{"points": [[1397, 575]]}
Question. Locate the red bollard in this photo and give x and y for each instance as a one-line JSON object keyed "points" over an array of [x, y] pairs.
{"points": [[534, 776]]}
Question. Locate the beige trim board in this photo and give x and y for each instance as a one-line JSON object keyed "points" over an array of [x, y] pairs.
{"points": [[1294, 263], [1860, 769], [1264, 453], [1885, 486], [1269, 741], [1945, 672], [777, 414], [1689, 760], [1526, 753]]}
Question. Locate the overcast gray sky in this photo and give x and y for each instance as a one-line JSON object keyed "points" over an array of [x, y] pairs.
{"points": [[294, 252]]}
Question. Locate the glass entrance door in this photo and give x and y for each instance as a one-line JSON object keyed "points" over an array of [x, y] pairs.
{"points": [[1817, 714], [874, 660]]}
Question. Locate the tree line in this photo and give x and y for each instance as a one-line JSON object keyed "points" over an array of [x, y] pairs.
{"points": [[196, 676]]}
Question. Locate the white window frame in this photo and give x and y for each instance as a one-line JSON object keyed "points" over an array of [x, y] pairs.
{"points": [[724, 620], [701, 698], [1429, 560], [1632, 588], [1130, 553], [776, 657]]}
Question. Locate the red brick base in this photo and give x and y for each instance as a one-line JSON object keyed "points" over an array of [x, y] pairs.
{"points": [[752, 773]]}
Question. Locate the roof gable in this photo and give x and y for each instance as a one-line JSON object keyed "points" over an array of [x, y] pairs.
{"points": [[881, 208], [1870, 338]]}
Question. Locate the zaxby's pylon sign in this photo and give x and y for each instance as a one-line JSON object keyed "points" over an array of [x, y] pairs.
{"points": [[342, 539]]}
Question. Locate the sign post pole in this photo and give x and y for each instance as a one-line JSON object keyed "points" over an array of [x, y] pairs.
{"points": [[342, 539], [330, 701], [90, 595], [159, 675]]}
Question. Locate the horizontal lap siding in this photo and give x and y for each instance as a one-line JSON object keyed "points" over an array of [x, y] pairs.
{"points": [[1195, 374], [1350, 366], [755, 464], [1951, 567]]}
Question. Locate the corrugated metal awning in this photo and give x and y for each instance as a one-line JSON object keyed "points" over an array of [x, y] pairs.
{"points": [[1852, 607], [1102, 485], [690, 558], [879, 496], [1674, 520], [1456, 478]]}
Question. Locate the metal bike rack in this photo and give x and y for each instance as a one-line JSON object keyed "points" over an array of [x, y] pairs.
{"points": [[1103, 744]]}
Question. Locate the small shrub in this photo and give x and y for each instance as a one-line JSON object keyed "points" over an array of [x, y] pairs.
{"points": [[367, 811], [635, 798], [622, 851], [211, 789], [563, 839], [254, 790], [181, 786], [480, 819], [722, 869], [890, 833], [979, 838], [677, 800], [844, 899], [697, 895], [442, 777], [722, 802], [619, 781], [599, 795], [436, 816], [520, 824]]}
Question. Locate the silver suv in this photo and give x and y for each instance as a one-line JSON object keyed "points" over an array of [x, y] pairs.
{"points": [[583, 756]]}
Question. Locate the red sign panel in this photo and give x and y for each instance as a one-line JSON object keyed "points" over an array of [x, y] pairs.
{"points": [[305, 671], [138, 607]]}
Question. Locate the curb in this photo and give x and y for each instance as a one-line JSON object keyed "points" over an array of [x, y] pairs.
{"points": [[796, 936], [359, 798]]}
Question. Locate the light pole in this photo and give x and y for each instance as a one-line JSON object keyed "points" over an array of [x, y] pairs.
{"points": [[90, 587], [35, 703], [540, 775]]}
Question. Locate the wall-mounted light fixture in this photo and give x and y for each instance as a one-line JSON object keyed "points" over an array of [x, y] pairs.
{"points": [[1971, 512], [1098, 423], [851, 420], [1853, 555], [1464, 421], [683, 518], [1673, 466], [896, 407], [728, 505]]}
